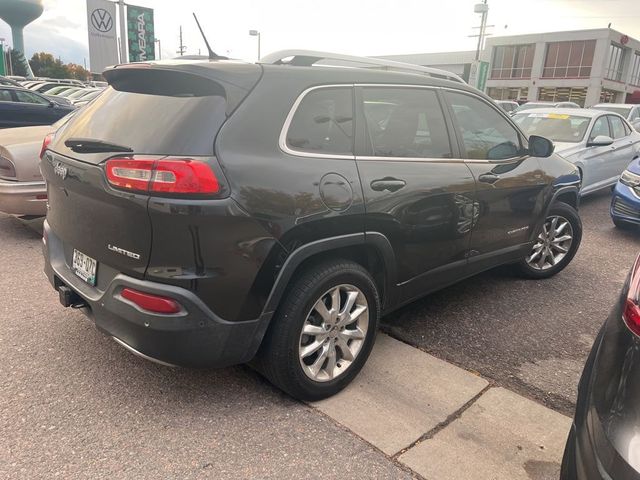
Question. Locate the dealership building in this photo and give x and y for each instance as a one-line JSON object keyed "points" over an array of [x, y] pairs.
{"points": [[582, 66]]}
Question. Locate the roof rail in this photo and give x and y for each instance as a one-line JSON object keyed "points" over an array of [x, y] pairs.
{"points": [[307, 58]]}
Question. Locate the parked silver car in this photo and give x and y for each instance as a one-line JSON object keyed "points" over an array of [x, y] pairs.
{"points": [[600, 143], [22, 188], [628, 110]]}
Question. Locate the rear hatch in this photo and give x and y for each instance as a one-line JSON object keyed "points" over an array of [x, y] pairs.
{"points": [[150, 113]]}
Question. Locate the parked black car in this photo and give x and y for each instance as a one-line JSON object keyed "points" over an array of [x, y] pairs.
{"points": [[604, 442], [20, 107], [204, 213]]}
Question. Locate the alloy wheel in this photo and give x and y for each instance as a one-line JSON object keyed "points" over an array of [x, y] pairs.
{"points": [[552, 245], [333, 333]]}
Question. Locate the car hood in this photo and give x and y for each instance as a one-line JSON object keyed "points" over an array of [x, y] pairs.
{"points": [[22, 146]]}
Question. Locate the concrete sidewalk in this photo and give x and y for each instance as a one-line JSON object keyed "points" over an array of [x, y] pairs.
{"points": [[445, 423]]}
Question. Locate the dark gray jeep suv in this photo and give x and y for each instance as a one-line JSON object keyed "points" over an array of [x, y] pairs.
{"points": [[209, 213]]}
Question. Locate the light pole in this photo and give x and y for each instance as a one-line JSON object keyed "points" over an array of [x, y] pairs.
{"points": [[157, 40], [256, 33]]}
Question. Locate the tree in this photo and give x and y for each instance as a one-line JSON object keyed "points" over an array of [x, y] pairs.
{"points": [[46, 65], [18, 63]]}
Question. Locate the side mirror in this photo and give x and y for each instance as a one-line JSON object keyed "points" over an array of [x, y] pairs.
{"points": [[52, 104], [600, 141], [636, 124], [540, 146]]}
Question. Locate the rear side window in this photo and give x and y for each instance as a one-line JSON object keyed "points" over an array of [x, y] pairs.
{"points": [[154, 115], [406, 122], [323, 123], [486, 134], [28, 97], [617, 127]]}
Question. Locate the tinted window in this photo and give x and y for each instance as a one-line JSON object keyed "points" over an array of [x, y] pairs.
{"points": [[5, 96], [28, 97], [151, 123], [487, 135], [323, 122], [406, 122], [617, 127], [600, 127]]}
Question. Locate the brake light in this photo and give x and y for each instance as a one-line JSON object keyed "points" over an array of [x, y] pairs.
{"points": [[171, 175], [631, 312], [150, 302], [45, 144]]}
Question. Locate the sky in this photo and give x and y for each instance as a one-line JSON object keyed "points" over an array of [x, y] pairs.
{"points": [[373, 27]]}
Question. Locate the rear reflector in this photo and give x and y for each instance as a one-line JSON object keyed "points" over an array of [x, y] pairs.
{"points": [[45, 144], [179, 176], [631, 313], [150, 302]]}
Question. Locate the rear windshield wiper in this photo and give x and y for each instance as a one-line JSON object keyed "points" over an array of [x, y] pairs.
{"points": [[86, 145]]}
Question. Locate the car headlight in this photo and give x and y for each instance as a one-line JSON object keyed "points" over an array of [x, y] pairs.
{"points": [[630, 179]]}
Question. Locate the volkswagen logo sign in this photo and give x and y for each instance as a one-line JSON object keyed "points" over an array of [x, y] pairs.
{"points": [[101, 20]]}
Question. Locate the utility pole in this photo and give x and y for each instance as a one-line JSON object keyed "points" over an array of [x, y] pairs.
{"points": [[482, 8], [182, 48], [157, 40], [123, 33]]}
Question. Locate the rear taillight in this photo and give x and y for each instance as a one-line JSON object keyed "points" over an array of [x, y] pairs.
{"points": [[150, 302], [631, 313], [45, 144], [169, 175]]}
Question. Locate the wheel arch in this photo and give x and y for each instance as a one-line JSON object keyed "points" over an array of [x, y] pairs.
{"points": [[372, 250]]}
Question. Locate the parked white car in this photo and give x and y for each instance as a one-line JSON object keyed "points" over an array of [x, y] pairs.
{"points": [[628, 110], [600, 143]]}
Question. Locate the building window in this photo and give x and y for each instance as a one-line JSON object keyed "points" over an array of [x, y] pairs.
{"points": [[608, 96], [569, 59], [508, 93], [512, 61], [563, 94], [635, 70], [616, 62]]}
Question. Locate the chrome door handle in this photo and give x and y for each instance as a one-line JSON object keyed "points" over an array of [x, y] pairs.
{"points": [[489, 178], [388, 183]]}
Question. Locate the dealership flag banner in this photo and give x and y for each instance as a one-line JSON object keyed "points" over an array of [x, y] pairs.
{"points": [[103, 42], [140, 34]]}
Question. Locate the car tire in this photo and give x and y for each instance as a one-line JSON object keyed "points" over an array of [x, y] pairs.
{"points": [[281, 356], [548, 245]]}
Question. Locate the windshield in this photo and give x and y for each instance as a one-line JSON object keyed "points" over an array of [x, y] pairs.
{"points": [[554, 126], [624, 111]]}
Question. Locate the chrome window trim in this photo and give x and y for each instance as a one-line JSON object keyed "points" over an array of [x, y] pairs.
{"points": [[368, 158], [282, 141], [287, 123]]}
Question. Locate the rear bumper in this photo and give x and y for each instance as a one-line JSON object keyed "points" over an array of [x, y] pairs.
{"points": [[195, 337], [601, 444], [20, 198]]}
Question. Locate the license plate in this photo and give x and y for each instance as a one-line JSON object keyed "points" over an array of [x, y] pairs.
{"points": [[85, 267]]}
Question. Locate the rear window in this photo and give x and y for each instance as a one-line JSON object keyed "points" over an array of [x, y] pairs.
{"points": [[160, 113]]}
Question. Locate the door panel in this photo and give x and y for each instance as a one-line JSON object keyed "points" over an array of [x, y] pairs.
{"points": [[622, 149], [416, 193], [511, 185]]}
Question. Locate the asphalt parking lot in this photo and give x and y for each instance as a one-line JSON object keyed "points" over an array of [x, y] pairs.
{"points": [[530, 336], [74, 404]]}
